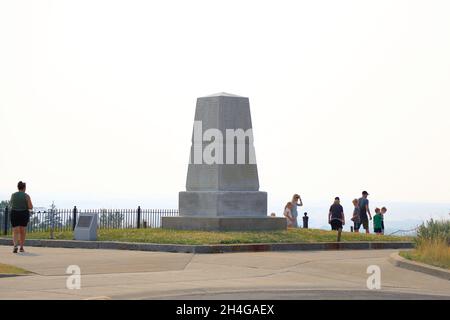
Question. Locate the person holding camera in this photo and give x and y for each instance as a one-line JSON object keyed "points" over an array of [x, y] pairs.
{"points": [[296, 202]]}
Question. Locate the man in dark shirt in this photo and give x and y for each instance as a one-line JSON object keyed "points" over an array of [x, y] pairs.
{"points": [[336, 217]]}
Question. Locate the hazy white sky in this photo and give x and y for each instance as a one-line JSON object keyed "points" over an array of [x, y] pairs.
{"points": [[97, 98]]}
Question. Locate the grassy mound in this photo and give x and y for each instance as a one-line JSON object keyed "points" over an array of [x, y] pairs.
{"points": [[7, 269], [163, 236]]}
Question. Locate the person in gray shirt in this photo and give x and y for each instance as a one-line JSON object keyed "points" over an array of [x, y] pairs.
{"points": [[356, 216], [364, 210]]}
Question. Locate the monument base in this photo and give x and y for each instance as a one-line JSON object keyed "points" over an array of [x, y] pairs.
{"points": [[224, 223], [214, 204]]}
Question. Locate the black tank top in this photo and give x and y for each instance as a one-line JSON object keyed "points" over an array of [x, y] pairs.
{"points": [[336, 211]]}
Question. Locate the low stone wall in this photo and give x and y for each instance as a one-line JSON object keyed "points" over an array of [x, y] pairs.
{"points": [[216, 248]]}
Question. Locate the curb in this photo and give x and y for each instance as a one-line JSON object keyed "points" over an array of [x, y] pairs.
{"points": [[401, 262], [13, 275], [216, 248], [9, 275]]}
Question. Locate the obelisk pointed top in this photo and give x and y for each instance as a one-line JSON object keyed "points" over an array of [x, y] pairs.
{"points": [[223, 94]]}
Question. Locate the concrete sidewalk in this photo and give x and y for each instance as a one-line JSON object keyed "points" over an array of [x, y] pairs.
{"points": [[152, 275]]}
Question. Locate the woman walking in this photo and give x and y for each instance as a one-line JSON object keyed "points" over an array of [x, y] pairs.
{"points": [[20, 216]]}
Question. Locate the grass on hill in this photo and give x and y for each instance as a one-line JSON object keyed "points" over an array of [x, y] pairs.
{"points": [[432, 244], [7, 269], [164, 236], [436, 254]]}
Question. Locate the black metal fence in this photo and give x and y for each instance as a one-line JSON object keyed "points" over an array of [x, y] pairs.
{"points": [[66, 219]]}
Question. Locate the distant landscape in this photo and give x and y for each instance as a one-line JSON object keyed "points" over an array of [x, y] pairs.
{"points": [[400, 215]]}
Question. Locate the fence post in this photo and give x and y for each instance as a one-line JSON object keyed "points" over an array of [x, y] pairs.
{"points": [[5, 225], [139, 217], [74, 218]]}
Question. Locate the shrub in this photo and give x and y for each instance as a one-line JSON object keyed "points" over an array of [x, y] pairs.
{"points": [[433, 230], [432, 244]]}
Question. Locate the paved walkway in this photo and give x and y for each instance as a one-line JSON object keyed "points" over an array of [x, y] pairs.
{"points": [[119, 274]]}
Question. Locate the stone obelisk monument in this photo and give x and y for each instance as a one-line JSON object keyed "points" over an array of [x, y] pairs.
{"points": [[222, 189]]}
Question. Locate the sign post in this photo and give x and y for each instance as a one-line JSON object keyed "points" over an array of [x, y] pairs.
{"points": [[86, 228]]}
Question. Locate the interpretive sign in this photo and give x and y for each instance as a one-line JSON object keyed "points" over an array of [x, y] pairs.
{"points": [[86, 228]]}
